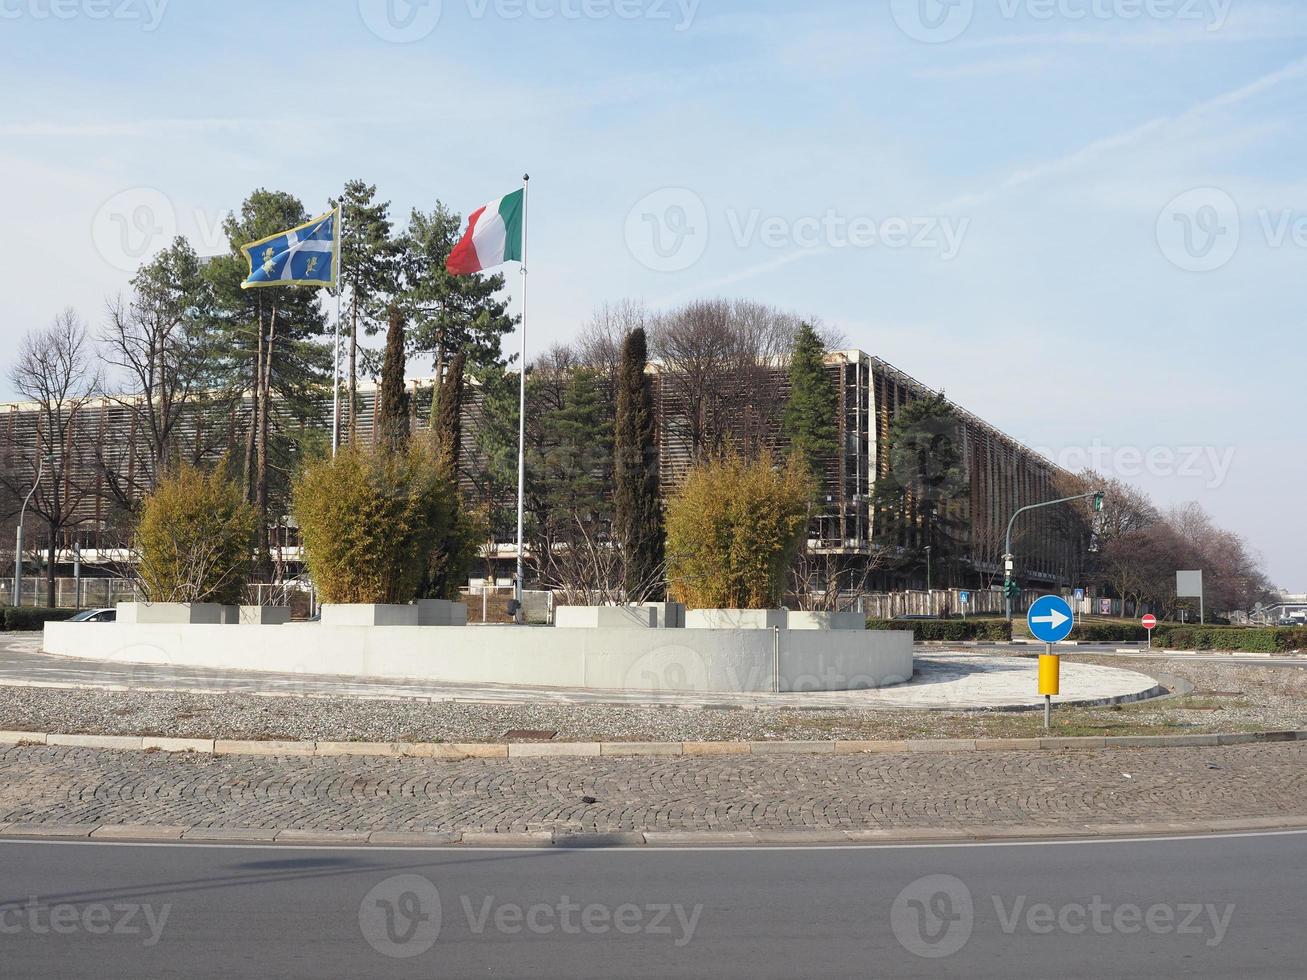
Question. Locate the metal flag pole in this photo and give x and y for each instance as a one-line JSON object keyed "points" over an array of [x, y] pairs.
{"points": [[335, 364], [520, 615]]}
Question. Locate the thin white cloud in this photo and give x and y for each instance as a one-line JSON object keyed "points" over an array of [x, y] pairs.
{"points": [[1135, 134]]}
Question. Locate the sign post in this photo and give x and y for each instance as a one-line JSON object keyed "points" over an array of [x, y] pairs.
{"points": [[964, 598], [1050, 619], [1150, 624], [1189, 585], [1080, 604]]}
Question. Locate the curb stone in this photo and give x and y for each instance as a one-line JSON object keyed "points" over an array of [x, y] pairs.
{"points": [[146, 834], [455, 751]]}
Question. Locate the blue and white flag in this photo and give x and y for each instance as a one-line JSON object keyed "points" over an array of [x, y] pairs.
{"points": [[308, 255]]}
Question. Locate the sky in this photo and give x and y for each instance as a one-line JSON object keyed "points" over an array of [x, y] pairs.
{"points": [[1085, 220]]}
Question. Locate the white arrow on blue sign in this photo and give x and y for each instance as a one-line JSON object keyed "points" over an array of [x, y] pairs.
{"points": [[1050, 619]]}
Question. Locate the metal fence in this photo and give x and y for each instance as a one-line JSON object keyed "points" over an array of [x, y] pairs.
{"points": [[70, 593], [93, 592]]}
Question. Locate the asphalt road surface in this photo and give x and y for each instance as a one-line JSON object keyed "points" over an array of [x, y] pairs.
{"points": [[1211, 907]]}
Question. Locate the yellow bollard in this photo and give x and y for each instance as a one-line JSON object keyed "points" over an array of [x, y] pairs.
{"points": [[1050, 673]]}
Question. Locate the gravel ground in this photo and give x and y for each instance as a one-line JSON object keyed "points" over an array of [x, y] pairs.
{"points": [[1226, 698]]}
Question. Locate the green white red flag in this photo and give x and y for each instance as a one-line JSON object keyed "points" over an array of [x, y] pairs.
{"points": [[493, 237]]}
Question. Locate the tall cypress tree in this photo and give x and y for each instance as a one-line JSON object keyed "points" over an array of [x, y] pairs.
{"points": [[447, 426], [392, 413], [809, 420], [638, 512]]}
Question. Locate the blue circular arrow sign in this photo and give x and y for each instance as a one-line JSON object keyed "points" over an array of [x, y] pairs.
{"points": [[1050, 619]]}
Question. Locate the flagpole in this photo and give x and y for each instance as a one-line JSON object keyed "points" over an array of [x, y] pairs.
{"points": [[520, 615], [335, 364]]}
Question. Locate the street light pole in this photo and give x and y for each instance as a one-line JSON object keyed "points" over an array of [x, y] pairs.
{"points": [[1007, 541], [930, 594], [18, 544]]}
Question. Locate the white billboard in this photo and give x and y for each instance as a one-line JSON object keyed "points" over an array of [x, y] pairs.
{"points": [[1189, 585]]}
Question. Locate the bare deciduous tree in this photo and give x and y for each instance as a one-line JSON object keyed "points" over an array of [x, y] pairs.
{"points": [[55, 371], [156, 341]]}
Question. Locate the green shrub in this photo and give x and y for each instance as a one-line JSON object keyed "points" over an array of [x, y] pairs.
{"points": [[1234, 639], [951, 630], [370, 522], [1109, 633], [33, 618], [194, 538]]}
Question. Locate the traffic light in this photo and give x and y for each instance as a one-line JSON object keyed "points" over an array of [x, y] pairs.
{"points": [[1012, 589], [1098, 503]]}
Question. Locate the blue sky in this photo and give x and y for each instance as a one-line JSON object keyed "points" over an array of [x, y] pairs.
{"points": [[1084, 219]]}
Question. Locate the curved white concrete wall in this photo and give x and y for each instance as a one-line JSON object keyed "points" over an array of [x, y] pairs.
{"points": [[608, 659]]}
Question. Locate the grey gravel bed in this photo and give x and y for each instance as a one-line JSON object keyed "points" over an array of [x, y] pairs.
{"points": [[1225, 698]]}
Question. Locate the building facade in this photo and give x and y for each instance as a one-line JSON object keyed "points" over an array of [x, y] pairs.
{"points": [[110, 464]]}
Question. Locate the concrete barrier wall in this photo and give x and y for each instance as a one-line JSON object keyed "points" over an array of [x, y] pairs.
{"points": [[724, 661]]}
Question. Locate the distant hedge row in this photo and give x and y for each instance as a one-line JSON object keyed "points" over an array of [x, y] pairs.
{"points": [[1167, 636], [1235, 639], [948, 629], [32, 617]]}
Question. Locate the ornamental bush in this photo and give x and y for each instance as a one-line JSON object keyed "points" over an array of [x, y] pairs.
{"points": [[371, 522], [733, 528], [194, 538]]}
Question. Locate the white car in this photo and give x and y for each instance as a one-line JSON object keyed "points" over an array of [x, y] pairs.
{"points": [[95, 616]]}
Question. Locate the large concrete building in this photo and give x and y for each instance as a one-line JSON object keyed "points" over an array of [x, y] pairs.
{"points": [[110, 462]]}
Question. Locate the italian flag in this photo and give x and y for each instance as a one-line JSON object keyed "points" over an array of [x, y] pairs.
{"points": [[493, 237]]}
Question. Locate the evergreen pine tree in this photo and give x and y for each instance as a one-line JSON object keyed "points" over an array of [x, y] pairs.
{"points": [[638, 522], [919, 497], [449, 314], [809, 420], [271, 351], [392, 412], [368, 257]]}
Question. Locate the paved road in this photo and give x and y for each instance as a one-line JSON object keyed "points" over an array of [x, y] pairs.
{"points": [[1222, 907], [941, 680], [889, 790]]}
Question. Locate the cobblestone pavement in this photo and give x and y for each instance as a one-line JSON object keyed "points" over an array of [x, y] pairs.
{"points": [[51, 785]]}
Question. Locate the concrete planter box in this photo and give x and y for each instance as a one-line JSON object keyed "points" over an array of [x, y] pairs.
{"points": [[177, 612], [668, 615], [607, 617], [441, 612], [827, 620], [735, 619], [368, 614], [264, 615]]}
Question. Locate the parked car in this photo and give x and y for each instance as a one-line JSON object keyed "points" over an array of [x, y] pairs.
{"points": [[95, 616]]}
